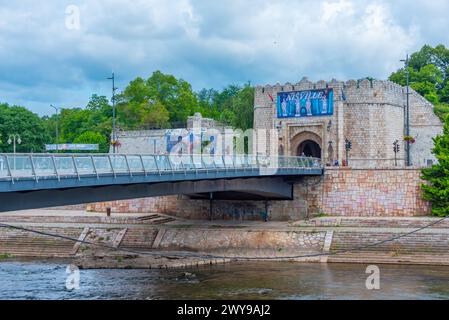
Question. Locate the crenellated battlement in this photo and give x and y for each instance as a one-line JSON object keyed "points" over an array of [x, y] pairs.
{"points": [[352, 91], [357, 85]]}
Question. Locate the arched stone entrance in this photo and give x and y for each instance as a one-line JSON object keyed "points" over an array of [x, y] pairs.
{"points": [[306, 143], [309, 148]]}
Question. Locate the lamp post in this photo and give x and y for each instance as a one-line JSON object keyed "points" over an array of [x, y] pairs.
{"points": [[14, 138], [57, 129], [114, 134], [407, 111]]}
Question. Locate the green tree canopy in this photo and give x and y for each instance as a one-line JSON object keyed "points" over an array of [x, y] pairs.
{"points": [[136, 104], [91, 137], [429, 76], [232, 106], [155, 115], [163, 101], [74, 122], [437, 189], [31, 128]]}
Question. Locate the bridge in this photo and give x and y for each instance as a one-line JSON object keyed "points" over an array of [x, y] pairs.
{"points": [[30, 181]]}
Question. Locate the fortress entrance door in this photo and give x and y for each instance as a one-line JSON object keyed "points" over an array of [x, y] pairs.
{"points": [[306, 143], [309, 148]]}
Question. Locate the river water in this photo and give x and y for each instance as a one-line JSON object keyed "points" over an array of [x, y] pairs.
{"points": [[264, 280]]}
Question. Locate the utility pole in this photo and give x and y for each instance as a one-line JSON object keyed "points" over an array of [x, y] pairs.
{"points": [[57, 129], [114, 134], [407, 111]]}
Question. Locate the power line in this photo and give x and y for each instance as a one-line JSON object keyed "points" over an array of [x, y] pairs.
{"points": [[206, 256]]}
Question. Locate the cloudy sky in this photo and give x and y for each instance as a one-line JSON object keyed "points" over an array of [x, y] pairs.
{"points": [[60, 52]]}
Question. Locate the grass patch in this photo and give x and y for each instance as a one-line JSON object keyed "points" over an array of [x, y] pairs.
{"points": [[214, 226], [321, 215], [4, 256], [217, 226], [182, 226]]}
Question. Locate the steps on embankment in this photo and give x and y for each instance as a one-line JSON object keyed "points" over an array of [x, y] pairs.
{"points": [[387, 258], [436, 243], [155, 219], [20, 243], [377, 222], [376, 247], [26, 244], [139, 238]]}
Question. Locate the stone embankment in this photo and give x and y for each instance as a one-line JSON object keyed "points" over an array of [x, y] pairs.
{"points": [[157, 241]]}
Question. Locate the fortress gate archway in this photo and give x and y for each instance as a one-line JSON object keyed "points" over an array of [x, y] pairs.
{"points": [[306, 143]]}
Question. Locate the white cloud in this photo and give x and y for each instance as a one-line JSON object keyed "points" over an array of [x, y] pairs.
{"points": [[208, 43], [333, 10]]}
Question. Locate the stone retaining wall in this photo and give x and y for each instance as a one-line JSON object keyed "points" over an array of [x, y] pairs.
{"points": [[341, 192], [373, 192], [206, 240]]}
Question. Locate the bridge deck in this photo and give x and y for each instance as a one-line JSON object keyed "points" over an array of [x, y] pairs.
{"points": [[43, 180], [22, 172]]}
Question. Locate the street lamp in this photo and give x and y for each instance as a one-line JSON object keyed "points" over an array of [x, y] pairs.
{"points": [[14, 138], [114, 134], [57, 123], [407, 112]]}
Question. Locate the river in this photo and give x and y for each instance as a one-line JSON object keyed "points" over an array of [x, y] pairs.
{"points": [[264, 280]]}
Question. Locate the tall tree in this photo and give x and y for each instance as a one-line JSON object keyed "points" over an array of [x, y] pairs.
{"points": [[437, 189], [175, 94], [161, 90], [155, 115], [232, 106], [31, 128], [91, 137], [96, 117], [244, 109], [429, 76]]}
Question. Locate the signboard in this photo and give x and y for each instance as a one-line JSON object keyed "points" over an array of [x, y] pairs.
{"points": [[310, 103], [71, 146]]}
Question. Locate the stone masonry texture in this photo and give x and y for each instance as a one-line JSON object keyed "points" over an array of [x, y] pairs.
{"points": [[369, 113], [340, 192]]}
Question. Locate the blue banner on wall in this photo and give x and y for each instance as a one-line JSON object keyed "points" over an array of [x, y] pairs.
{"points": [[310, 103]]}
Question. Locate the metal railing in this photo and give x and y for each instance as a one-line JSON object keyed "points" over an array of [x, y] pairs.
{"points": [[40, 166]]}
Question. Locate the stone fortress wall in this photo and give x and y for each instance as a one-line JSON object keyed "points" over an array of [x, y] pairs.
{"points": [[369, 113], [155, 141], [340, 192]]}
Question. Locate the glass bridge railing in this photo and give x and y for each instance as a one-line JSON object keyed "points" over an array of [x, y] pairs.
{"points": [[37, 166]]}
